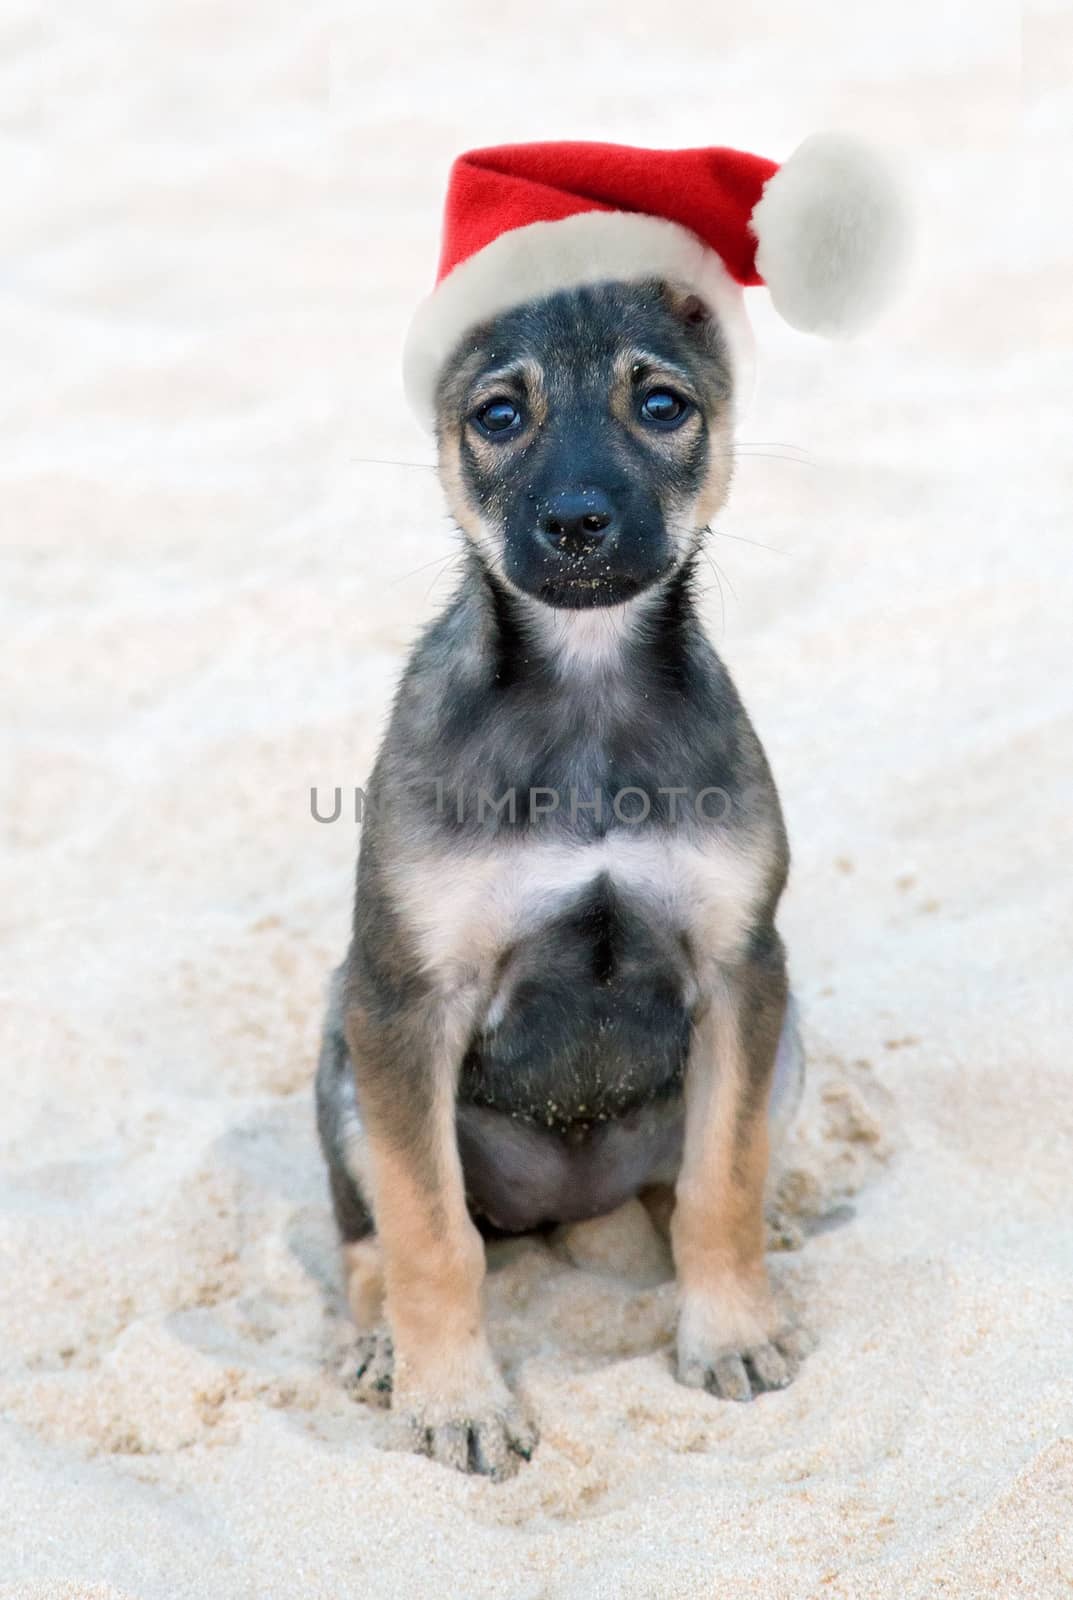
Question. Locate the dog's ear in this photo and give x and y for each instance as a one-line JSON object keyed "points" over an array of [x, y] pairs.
{"points": [[685, 306], [702, 329]]}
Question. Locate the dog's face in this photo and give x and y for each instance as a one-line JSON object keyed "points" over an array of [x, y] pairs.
{"points": [[585, 440]]}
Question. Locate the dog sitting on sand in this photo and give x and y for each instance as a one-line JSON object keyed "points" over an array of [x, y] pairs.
{"points": [[565, 985]]}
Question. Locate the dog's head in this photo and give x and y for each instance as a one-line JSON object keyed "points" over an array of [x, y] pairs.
{"points": [[584, 440]]}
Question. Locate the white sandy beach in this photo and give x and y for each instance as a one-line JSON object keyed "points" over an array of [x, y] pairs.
{"points": [[216, 222]]}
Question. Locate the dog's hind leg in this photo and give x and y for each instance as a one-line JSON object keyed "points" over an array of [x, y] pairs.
{"points": [[342, 1140], [788, 1076]]}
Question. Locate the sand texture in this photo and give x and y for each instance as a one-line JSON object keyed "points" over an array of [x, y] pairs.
{"points": [[216, 222]]}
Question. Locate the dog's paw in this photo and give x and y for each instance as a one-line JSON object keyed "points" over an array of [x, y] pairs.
{"points": [[490, 1436], [454, 1406], [373, 1374], [491, 1442], [742, 1372]]}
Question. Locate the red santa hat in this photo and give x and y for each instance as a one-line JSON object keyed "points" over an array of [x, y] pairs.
{"points": [[825, 231]]}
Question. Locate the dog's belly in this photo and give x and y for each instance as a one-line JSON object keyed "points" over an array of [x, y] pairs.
{"points": [[520, 1176], [590, 1018], [569, 1098]]}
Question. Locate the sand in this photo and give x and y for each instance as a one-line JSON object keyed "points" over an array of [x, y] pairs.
{"points": [[216, 221]]}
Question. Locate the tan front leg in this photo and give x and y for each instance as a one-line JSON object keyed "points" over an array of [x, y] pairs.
{"points": [[730, 1340], [445, 1382]]}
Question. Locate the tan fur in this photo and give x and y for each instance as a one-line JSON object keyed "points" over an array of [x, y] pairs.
{"points": [[433, 1275], [525, 375], [461, 507], [717, 1231], [713, 495], [465, 513], [657, 374], [363, 1275], [433, 1256]]}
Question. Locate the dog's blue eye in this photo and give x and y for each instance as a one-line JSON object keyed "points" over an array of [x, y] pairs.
{"points": [[498, 416], [663, 405]]}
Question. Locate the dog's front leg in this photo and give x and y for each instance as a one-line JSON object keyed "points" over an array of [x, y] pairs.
{"points": [[730, 1338], [445, 1383]]}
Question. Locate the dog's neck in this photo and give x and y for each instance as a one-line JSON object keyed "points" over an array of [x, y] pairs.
{"points": [[596, 644], [594, 641], [500, 697]]}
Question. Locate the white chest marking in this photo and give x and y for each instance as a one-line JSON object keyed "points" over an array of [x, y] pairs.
{"points": [[587, 644], [465, 910]]}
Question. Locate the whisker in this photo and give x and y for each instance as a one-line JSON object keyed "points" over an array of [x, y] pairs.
{"points": [[698, 548], [383, 461], [437, 561], [697, 536], [740, 538], [457, 559], [772, 444], [722, 597], [718, 569], [478, 542], [739, 453]]}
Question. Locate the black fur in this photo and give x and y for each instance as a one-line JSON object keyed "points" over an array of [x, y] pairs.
{"points": [[473, 713], [596, 1024]]}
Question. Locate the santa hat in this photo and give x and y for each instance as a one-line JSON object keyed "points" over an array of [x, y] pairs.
{"points": [[825, 231]]}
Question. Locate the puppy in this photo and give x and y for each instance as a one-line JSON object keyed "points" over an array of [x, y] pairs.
{"points": [[565, 986]]}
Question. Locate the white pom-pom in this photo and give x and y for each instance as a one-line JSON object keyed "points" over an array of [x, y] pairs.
{"points": [[832, 229]]}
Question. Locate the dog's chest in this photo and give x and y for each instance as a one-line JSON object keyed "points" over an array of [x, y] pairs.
{"points": [[467, 909]]}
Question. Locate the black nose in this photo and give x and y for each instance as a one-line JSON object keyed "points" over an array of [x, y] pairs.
{"points": [[578, 521]]}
